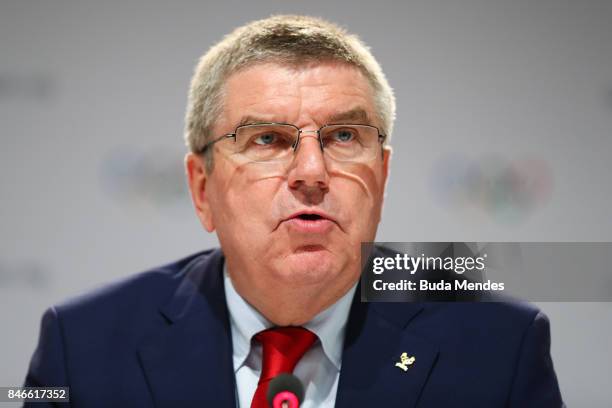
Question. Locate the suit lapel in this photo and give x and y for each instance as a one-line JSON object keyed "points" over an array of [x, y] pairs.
{"points": [[189, 361], [377, 334]]}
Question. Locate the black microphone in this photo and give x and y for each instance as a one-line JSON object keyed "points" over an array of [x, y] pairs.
{"points": [[285, 391]]}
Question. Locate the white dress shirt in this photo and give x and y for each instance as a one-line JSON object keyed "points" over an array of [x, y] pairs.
{"points": [[318, 369]]}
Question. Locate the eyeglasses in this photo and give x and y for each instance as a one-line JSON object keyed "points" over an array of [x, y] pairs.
{"points": [[276, 142]]}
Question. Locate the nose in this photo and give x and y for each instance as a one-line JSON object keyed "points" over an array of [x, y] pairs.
{"points": [[308, 170]]}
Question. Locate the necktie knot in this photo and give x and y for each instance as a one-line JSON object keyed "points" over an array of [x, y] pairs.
{"points": [[282, 347]]}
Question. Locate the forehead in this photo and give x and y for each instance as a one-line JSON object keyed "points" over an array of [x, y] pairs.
{"points": [[317, 94]]}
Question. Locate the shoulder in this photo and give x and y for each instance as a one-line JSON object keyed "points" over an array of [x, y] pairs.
{"points": [[129, 302], [503, 319], [484, 328]]}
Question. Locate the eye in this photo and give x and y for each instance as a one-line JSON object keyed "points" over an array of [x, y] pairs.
{"points": [[266, 139], [344, 135]]}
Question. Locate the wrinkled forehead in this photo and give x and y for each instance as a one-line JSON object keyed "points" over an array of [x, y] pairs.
{"points": [[327, 92]]}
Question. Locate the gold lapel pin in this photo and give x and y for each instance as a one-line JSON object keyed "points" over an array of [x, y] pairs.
{"points": [[405, 361]]}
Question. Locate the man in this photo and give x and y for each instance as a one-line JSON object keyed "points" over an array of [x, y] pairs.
{"points": [[288, 125]]}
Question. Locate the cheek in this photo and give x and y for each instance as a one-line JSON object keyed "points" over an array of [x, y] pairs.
{"points": [[244, 226], [359, 189], [243, 203]]}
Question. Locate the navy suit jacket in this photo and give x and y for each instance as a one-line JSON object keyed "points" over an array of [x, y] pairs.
{"points": [[162, 339]]}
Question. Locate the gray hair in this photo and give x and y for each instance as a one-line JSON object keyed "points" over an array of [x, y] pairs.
{"points": [[286, 39]]}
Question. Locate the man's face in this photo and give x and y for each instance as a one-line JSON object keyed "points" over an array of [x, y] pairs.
{"points": [[300, 224]]}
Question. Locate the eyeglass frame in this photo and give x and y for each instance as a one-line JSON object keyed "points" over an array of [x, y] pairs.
{"points": [[381, 136]]}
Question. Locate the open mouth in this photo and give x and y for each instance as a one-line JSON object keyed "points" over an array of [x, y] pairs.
{"points": [[310, 217]]}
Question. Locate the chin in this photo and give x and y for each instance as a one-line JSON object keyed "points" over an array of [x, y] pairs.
{"points": [[309, 266]]}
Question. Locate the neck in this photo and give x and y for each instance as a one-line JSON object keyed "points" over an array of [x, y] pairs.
{"points": [[289, 305]]}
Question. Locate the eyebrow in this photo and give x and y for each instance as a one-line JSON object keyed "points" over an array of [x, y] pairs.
{"points": [[354, 115], [357, 115], [250, 120]]}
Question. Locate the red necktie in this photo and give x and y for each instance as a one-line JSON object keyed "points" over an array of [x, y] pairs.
{"points": [[283, 347]]}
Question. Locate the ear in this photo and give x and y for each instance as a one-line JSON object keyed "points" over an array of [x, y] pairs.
{"points": [[195, 168], [385, 177], [386, 163]]}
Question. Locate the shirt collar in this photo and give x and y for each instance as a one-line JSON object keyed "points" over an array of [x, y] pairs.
{"points": [[329, 325]]}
